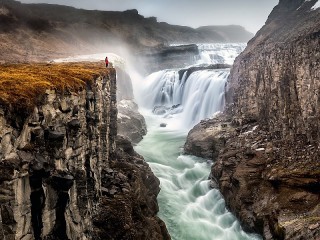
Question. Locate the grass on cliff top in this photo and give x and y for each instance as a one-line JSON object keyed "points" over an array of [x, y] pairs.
{"points": [[22, 85]]}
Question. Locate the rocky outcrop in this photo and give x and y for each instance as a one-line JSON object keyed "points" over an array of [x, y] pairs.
{"points": [[271, 185], [269, 170], [131, 124], [166, 57], [190, 70], [64, 173], [207, 138]]}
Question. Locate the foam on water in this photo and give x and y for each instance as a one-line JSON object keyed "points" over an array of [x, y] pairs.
{"points": [[197, 96], [223, 53], [190, 209]]}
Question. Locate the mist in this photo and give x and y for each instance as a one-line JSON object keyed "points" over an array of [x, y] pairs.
{"points": [[250, 14]]}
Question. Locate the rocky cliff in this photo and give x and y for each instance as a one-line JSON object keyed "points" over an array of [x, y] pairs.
{"points": [[64, 173], [268, 148], [131, 124], [41, 32]]}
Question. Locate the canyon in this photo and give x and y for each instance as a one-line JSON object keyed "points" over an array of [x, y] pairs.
{"points": [[68, 162], [266, 144], [42, 32]]}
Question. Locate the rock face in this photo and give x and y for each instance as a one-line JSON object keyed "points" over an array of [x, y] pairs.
{"points": [[207, 138], [131, 124], [165, 57], [64, 173], [269, 168]]}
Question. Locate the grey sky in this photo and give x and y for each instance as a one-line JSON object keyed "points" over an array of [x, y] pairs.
{"points": [[251, 14]]}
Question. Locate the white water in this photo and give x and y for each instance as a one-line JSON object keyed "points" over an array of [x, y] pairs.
{"points": [[190, 209], [198, 96], [223, 53]]}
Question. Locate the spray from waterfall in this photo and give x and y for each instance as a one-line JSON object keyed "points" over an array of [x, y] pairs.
{"points": [[190, 98]]}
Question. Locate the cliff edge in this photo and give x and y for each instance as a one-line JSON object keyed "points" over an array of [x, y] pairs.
{"points": [[64, 172]]}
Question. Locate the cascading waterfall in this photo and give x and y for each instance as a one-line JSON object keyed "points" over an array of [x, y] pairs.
{"points": [[193, 97], [190, 209], [219, 52]]}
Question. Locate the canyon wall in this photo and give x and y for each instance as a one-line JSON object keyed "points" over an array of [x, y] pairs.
{"points": [[65, 174], [266, 145], [269, 170]]}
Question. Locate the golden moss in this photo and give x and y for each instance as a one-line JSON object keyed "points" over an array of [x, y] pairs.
{"points": [[21, 85]]}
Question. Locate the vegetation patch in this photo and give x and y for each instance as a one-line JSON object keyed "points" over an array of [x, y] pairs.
{"points": [[23, 85]]}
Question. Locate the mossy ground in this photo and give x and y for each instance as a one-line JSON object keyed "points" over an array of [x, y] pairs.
{"points": [[22, 85]]}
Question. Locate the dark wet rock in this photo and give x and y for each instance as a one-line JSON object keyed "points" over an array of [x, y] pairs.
{"points": [[163, 124], [61, 180], [160, 110], [191, 70], [166, 57], [55, 135], [74, 124]]}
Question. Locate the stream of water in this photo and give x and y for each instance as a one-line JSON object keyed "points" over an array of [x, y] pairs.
{"points": [[190, 209]]}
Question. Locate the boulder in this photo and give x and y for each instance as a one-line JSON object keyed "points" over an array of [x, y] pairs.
{"points": [[207, 138]]}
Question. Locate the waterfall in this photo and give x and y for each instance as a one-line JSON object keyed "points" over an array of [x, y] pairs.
{"points": [[190, 95], [219, 52], [181, 98], [193, 97]]}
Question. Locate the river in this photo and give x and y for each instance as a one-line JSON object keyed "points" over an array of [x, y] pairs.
{"points": [[190, 209]]}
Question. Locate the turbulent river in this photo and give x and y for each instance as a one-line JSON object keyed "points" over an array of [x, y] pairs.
{"points": [[190, 209]]}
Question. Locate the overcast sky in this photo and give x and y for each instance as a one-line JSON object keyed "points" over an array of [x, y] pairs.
{"points": [[251, 14]]}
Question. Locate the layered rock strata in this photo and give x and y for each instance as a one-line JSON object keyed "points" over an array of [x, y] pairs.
{"points": [[268, 168], [64, 173]]}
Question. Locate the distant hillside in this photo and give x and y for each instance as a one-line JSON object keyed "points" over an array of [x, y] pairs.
{"points": [[40, 31], [230, 33]]}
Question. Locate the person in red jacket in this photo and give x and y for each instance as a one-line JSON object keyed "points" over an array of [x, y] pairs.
{"points": [[106, 61]]}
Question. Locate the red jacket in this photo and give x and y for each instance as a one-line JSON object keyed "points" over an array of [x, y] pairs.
{"points": [[106, 60]]}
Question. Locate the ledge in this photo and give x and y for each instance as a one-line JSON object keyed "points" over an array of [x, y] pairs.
{"points": [[23, 85]]}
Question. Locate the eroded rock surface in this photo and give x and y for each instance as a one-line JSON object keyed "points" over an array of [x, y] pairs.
{"points": [[207, 138], [131, 123], [269, 168], [64, 174]]}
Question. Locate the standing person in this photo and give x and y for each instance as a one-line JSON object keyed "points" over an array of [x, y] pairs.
{"points": [[106, 61]]}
